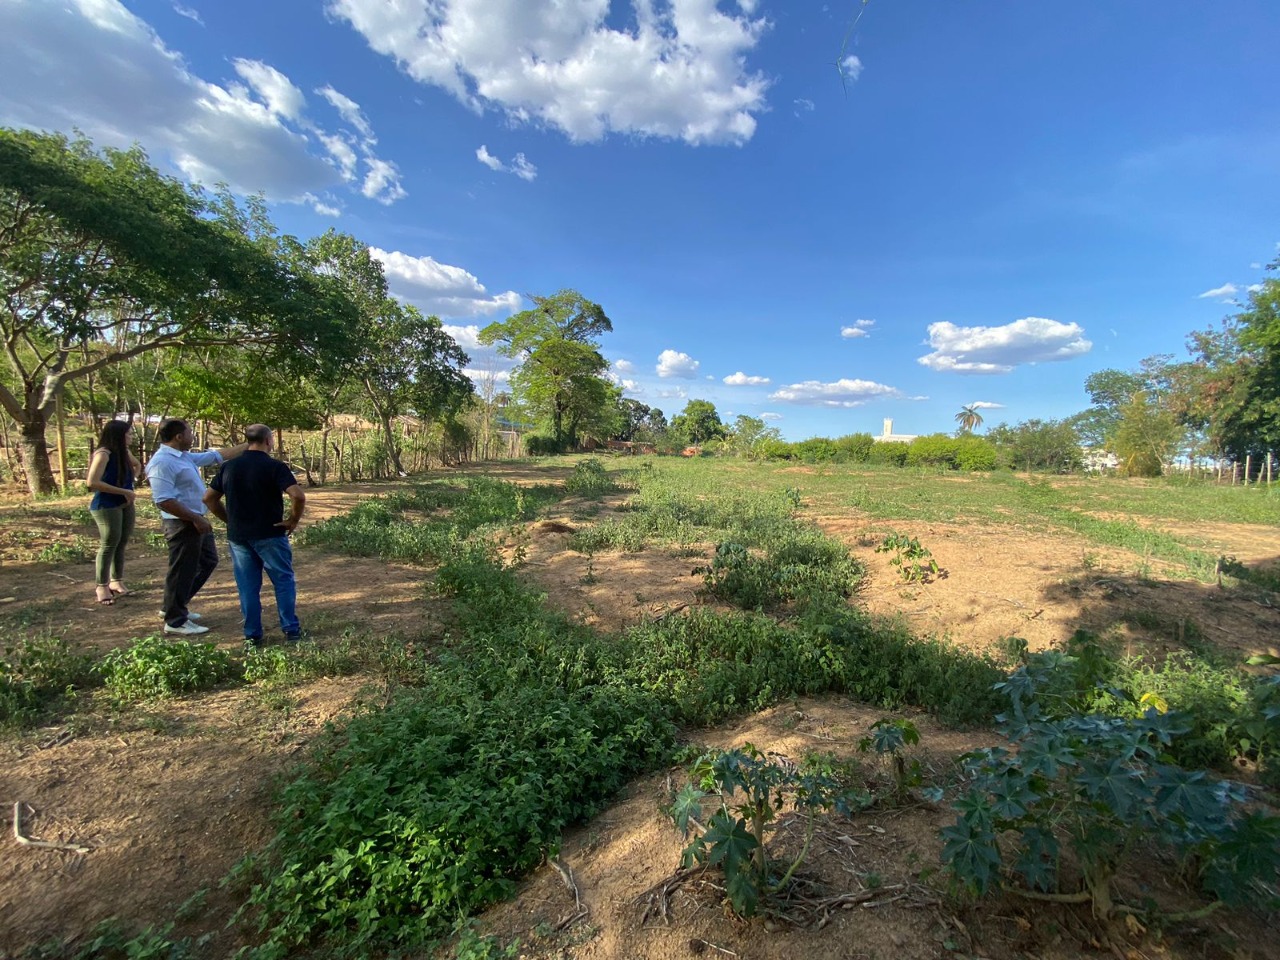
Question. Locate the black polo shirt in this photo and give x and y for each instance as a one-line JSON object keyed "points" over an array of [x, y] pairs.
{"points": [[252, 485]]}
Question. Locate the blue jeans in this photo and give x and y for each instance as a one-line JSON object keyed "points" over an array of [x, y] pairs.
{"points": [[248, 560]]}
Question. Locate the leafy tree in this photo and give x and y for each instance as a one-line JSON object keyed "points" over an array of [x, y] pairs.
{"points": [[403, 362], [969, 419], [639, 421], [1146, 436], [698, 423], [1039, 445], [103, 259], [1236, 372], [749, 436], [561, 371]]}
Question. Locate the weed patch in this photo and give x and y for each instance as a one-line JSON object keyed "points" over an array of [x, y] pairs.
{"points": [[37, 674], [154, 668]]}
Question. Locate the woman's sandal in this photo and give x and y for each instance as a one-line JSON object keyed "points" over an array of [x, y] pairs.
{"points": [[108, 600], [122, 592]]}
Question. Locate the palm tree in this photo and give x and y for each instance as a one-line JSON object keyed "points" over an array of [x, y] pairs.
{"points": [[969, 418]]}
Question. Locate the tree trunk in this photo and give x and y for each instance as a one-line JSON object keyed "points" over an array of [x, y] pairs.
{"points": [[34, 453], [392, 448], [324, 455]]}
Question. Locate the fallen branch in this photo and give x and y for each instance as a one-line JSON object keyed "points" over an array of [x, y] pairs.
{"points": [[580, 910], [46, 844]]}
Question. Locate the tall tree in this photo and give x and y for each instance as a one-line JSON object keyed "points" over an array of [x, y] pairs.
{"points": [[561, 371], [969, 419], [698, 422], [403, 362], [103, 259]]}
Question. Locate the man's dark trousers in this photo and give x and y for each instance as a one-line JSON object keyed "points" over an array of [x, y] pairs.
{"points": [[192, 557]]}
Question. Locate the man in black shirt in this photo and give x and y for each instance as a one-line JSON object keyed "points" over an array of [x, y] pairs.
{"points": [[258, 531]]}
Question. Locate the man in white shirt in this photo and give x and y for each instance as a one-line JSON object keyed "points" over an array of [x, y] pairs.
{"points": [[178, 490]]}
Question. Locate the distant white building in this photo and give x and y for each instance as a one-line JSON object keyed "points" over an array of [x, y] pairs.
{"points": [[890, 437]]}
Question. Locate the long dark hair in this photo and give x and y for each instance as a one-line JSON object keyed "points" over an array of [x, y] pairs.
{"points": [[112, 440]]}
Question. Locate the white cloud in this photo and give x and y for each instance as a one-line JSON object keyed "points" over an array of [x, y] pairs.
{"points": [[851, 67], [624, 366], [803, 105], [1253, 288], [841, 393], [740, 379], [1001, 349], [440, 289], [1255, 266], [860, 328], [274, 89], [986, 405], [94, 66], [771, 416], [673, 363], [188, 12], [320, 207], [675, 393], [478, 374], [679, 72], [520, 165], [1226, 290], [350, 111], [382, 182]]}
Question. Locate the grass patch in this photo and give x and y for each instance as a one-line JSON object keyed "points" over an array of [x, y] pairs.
{"points": [[39, 675], [154, 668]]}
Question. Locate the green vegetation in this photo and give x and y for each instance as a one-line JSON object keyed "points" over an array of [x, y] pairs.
{"points": [[37, 674], [154, 668], [750, 790], [1102, 788]]}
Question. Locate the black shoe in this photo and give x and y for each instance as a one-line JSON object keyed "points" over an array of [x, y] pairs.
{"points": [[292, 637], [253, 643]]}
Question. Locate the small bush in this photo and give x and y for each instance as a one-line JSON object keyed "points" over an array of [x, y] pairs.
{"points": [[893, 453], [589, 479], [538, 446], [154, 668], [35, 674]]}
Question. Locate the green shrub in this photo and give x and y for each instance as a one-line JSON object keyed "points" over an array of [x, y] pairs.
{"points": [[814, 450], [35, 674], [854, 447], [1099, 787], [976, 453], [892, 452], [934, 450], [800, 568], [154, 668], [589, 479], [539, 446]]}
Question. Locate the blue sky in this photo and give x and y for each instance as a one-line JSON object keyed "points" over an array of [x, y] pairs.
{"points": [[990, 201]]}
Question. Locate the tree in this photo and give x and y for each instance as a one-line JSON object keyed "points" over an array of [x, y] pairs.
{"points": [[403, 362], [1146, 436], [1039, 445], [698, 423], [103, 260], [749, 435], [969, 419], [639, 421], [561, 371]]}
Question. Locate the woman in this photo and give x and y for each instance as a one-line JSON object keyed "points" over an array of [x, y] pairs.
{"points": [[111, 473]]}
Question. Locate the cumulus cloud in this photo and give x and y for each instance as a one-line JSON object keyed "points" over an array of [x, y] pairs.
{"points": [[841, 393], [94, 66], [624, 366], [673, 363], [860, 328], [1226, 290], [1253, 288], [520, 165], [851, 67], [770, 416], [1001, 349], [675, 393], [740, 379], [679, 72], [440, 289]]}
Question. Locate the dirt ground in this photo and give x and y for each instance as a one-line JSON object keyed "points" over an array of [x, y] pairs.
{"points": [[170, 797]]}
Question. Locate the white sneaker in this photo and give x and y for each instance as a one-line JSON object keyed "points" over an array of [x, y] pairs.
{"points": [[188, 629], [191, 615]]}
